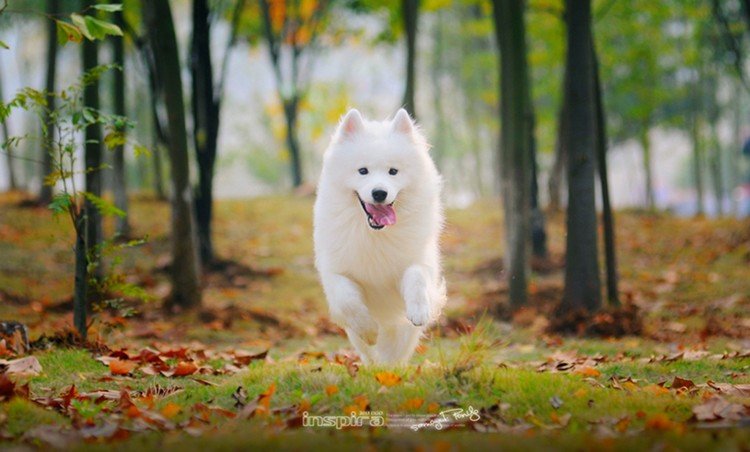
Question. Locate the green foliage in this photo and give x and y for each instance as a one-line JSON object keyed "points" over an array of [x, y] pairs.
{"points": [[87, 26]]}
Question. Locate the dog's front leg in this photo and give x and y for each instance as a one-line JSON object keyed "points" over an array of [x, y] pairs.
{"points": [[347, 307], [415, 288]]}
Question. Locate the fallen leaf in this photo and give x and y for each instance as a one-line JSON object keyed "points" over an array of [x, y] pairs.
{"points": [[27, 366], [682, 383], [170, 410], [331, 390], [587, 371], [742, 390], [413, 404], [387, 378], [718, 408], [121, 367]]}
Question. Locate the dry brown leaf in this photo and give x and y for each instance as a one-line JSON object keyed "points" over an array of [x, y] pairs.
{"points": [[25, 367]]}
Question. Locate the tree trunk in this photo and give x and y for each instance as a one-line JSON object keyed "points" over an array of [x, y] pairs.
{"points": [[646, 150], [697, 163], [291, 111], [81, 283], [410, 13], [608, 218], [8, 153], [557, 173], [538, 233], [582, 286], [185, 269], [45, 191], [716, 169], [206, 125], [118, 157], [436, 72], [514, 147], [93, 157]]}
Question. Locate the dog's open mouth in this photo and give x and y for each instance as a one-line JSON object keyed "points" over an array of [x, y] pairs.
{"points": [[378, 215]]}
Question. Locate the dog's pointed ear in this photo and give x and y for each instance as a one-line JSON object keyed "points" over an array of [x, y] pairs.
{"points": [[351, 124], [402, 122]]}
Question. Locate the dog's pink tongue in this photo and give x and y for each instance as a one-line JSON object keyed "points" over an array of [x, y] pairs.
{"points": [[382, 214]]}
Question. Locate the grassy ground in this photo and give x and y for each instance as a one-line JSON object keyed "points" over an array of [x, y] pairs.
{"points": [[691, 279]]}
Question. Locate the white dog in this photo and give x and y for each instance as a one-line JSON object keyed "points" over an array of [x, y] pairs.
{"points": [[378, 219]]}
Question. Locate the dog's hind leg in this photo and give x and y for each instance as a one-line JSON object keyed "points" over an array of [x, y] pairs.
{"points": [[396, 343]]}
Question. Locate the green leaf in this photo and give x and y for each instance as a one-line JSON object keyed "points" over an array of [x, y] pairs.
{"points": [[109, 8], [67, 32], [80, 22], [104, 207], [100, 29], [4, 45], [61, 203]]}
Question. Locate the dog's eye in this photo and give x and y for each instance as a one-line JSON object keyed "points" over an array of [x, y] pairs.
{"points": [[393, 171], [363, 171]]}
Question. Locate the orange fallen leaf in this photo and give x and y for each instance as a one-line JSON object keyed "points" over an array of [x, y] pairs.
{"points": [[184, 368], [660, 421], [331, 390], [587, 371], [413, 404], [656, 389], [387, 378], [121, 367], [433, 407], [170, 410]]}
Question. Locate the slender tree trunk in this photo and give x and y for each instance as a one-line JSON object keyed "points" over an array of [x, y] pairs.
{"points": [[291, 111], [410, 13], [81, 283], [118, 157], [582, 286], [735, 156], [608, 218], [206, 124], [716, 169], [557, 174], [93, 158], [538, 233], [186, 290], [45, 191], [697, 163], [646, 150], [436, 72], [8, 153], [514, 147]]}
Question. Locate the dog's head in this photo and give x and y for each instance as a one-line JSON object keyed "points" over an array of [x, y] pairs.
{"points": [[376, 162]]}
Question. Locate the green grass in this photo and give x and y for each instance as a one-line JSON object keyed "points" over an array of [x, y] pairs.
{"points": [[666, 263]]}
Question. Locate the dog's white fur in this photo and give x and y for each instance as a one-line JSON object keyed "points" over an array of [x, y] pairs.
{"points": [[384, 287]]}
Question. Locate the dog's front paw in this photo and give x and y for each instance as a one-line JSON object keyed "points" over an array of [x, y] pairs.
{"points": [[418, 313]]}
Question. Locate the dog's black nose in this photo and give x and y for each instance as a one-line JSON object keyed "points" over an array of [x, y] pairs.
{"points": [[379, 195]]}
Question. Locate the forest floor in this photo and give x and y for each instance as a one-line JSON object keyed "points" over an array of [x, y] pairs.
{"points": [[261, 352]]}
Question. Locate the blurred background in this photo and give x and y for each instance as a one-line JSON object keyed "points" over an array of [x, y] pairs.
{"points": [[673, 77]]}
